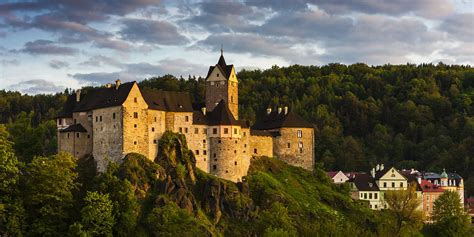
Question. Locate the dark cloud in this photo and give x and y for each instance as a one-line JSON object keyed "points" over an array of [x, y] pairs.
{"points": [[37, 86], [57, 64], [140, 71], [47, 47], [425, 8], [460, 26], [3, 34], [152, 31]]}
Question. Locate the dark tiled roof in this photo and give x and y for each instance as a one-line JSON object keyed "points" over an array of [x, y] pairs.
{"points": [[74, 128], [168, 100], [199, 118], [281, 120], [380, 173], [68, 107], [104, 97], [224, 68], [411, 178], [221, 115], [365, 182]]}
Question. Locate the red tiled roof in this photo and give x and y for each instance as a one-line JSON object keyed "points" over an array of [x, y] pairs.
{"points": [[430, 187]]}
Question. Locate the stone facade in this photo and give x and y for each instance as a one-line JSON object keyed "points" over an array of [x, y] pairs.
{"points": [[115, 120]]}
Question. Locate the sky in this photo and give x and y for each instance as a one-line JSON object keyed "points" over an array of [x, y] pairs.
{"points": [[47, 46]]}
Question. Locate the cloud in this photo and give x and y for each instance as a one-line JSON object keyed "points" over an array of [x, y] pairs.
{"points": [[152, 31], [37, 86], [99, 61], [47, 47], [9, 62], [56, 64], [140, 71], [460, 26]]}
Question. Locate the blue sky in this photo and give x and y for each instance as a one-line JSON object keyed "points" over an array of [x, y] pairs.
{"points": [[49, 45]]}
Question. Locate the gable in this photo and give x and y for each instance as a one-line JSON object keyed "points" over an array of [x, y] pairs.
{"points": [[216, 74], [393, 174]]}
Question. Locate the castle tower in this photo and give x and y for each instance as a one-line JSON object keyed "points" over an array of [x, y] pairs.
{"points": [[222, 84], [444, 178]]}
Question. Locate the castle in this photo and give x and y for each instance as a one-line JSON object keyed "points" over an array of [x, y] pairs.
{"points": [[117, 119]]}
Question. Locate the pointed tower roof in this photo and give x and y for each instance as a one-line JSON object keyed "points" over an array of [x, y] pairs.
{"points": [[222, 65], [444, 175], [221, 115]]}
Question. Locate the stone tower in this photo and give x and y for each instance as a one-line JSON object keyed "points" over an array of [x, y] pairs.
{"points": [[222, 84]]}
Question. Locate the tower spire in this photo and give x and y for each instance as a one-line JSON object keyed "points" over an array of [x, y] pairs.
{"points": [[222, 49]]}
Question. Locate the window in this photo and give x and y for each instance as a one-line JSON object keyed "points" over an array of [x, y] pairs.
{"points": [[376, 196], [113, 115], [235, 151], [401, 184], [154, 141], [231, 99], [245, 145], [299, 133], [135, 126], [214, 167], [88, 136], [226, 131], [365, 195], [135, 143], [186, 118], [384, 184], [100, 118], [96, 119], [289, 145], [197, 152], [361, 195], [245, 134], [375, 206], [214, 131], [155, 119], [255, 151], [60, 121], [74, 121], [185, 130], [204, 141], [393, 184], [135, 114], [204, 152], [217, 74], [235, 162], [77, 134], [215, 155], [217, 84], [370, 195], [152, 129], [196, 130], [135, 99], [219, 141], [204, 131], [180, 130], [235, 130], [67, 135]]}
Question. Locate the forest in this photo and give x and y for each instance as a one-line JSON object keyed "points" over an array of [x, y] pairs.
{"points": [[409, 116]]}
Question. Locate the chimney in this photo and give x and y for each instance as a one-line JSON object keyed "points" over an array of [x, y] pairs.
{"points": [[285, 109], [279, 110], [117, 84], [78, 95], [377, 167], [381, 167], [269, 110], [373, 172], [203, 109]]}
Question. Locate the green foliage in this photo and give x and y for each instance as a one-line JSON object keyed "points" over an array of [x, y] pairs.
{"points": [[48, 193], [449, 216], [276, 221], [96, 215], [170, 220], [141, 172], [9, 172]]}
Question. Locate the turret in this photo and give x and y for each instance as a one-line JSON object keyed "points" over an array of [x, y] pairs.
{"points": [[444, 178]]}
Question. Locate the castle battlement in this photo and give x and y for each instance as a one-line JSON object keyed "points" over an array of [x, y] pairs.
{"points": [[121, 118]]}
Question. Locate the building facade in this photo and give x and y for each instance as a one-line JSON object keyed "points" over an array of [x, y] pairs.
{"points": [[117, 119]]}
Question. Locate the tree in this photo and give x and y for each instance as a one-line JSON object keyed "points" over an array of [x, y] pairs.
{"points": [[405, 206], [48, 193], [11, 209], [96, 216], [449, 216], [275, 221]]}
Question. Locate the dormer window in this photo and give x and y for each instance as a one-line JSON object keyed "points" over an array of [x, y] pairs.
{"points": [[217, 74]]}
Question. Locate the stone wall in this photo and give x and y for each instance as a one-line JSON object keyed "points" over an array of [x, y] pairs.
{"points": [[226, 158], [197, 141], [294, 150], [107, 136], [156, 121], [135, 126], [261, 146], [85, 145]]}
